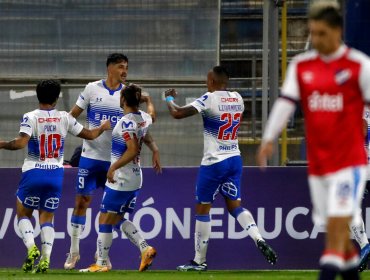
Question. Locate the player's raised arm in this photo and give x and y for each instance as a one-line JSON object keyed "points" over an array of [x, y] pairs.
{"points": [[129, 155], [150, 109], [176, 111], [149, 141], [91, 134], [16, 144]]}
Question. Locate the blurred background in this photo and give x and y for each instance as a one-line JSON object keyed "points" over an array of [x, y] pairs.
{"points": [[170, 44]]}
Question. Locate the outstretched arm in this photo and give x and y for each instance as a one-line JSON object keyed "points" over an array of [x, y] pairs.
{"points": [[149, 141], [176, 111], [16, 144], [91, 134]]}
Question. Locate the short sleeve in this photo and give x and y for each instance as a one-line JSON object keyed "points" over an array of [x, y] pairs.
{"points": [[365, 79], [202, 103], [26, 125], [290, 88], [84, 98], [128, 130], [74, 127]]}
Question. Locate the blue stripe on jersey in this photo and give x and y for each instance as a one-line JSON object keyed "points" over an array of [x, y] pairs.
{"points": [[118, 146], [212, 125], [33, 148], [97, 113]]}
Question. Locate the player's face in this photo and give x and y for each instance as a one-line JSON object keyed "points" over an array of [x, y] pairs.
{"points": [[324, 38], [118, 71]]}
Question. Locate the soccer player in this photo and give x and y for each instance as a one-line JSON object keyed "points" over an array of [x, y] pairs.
{"points": [[358, 230], [44, 131], [101, 99], [221, 167], [331, 82], [124, 180]]}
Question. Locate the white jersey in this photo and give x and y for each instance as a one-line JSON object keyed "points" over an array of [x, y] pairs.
{"points": [[222, 113], [132, 125], [47, 131], [101, 103]]}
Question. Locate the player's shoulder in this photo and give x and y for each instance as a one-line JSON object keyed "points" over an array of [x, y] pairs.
{"points": [[146, 117], [94, 85], [358, 56], [304, 57], [127, 122]]}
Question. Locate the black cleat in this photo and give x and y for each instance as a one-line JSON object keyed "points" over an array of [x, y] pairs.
{"points": [[267, 251]]}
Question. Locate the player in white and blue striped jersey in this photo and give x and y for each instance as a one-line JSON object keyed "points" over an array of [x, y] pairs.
{"points": [[124, 180], [44, 131], [101, 99], [221, 167]]}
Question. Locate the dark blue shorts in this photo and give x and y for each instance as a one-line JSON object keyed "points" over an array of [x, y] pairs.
{"points": [[222, 177], [92, 174], [41, 189]]}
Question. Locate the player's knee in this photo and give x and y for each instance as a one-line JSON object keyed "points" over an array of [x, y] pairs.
{"points": [[82, 203]]}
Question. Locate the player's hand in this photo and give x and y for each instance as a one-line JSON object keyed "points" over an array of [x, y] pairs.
{"points": [[145, 97], [106, 125], [156, 162], [264, 152], [110, 175], [170, 92]]}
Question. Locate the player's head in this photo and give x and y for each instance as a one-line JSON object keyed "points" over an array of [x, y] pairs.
{"points": [[117, 66], [217, 78], [48, 92], [325, 24], [130, 96]]}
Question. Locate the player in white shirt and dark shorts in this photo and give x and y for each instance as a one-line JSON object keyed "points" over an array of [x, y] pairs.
{"points": [[44, 131], [101, 99], [332, 84], [221, 167], [124, 180]]}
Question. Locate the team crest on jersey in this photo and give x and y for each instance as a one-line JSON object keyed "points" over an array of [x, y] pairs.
{"points": [[342, 76], [307, 77]]}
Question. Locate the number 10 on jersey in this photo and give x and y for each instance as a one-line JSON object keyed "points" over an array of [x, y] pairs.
{"points": [[50, 145]]}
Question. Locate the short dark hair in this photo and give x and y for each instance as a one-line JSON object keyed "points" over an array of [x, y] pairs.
{"points": [[132, 95], [327, 11], [115, 58], [48, 91], [221, 75]]}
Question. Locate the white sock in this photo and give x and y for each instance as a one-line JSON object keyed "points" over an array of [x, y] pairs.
{"points": [[247, 222], [133, 234], [201, 237], [47, 240], [104, 243], [75, 238], [26, 230], [359, 234]]}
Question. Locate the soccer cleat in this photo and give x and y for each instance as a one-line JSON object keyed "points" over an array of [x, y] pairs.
{"points": [[147, 258], [32, 255], [95, 268], [267, 251], [192, 266], [71, 261], [109, 264], [42, 266], [364, 258]]}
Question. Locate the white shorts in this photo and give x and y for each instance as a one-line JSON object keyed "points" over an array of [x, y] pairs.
{"points": [[338, 194]]}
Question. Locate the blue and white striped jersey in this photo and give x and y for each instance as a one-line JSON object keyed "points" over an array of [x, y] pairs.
{"points": [[132, 125], [222, 113], [47, 130], [101, 103]]}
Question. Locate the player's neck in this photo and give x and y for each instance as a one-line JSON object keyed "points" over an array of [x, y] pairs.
{"points": [[46, 106], [129, 110], [111, 83], [332, 51]]}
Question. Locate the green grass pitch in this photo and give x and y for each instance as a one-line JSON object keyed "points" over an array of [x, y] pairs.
{"points": [[162, 275]]}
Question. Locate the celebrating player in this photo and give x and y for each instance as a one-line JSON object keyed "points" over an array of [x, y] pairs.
{"points": [[44, 131], [102, 101], [124, 180], [221, 168], [331, 82]]}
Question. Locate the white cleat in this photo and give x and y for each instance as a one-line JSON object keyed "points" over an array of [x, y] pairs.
{"points": [[71, 261]]}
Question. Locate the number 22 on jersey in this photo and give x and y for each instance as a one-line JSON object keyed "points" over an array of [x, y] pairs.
{"points": [[229, 130]]}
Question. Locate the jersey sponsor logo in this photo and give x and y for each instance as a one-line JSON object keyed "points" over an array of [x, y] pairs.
{"points": [[103, 117], [325, 102], [127, 125], [48, 120], [46, 166], [229, 99], [228, 148], [342, 76]]}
